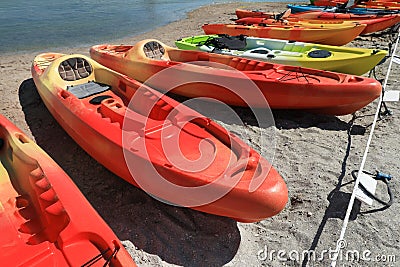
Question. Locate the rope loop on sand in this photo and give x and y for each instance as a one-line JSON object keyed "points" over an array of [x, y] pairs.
{"points": [[380, 176], [361, 169]]}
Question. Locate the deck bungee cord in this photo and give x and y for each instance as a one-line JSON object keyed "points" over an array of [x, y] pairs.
{"points": [[357, 183], [102, 254]]}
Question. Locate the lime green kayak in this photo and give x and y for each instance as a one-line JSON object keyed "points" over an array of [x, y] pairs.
{"points": [[349, 60]]}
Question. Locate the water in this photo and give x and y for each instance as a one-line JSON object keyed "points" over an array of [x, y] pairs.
{"points": [[27, 25]]}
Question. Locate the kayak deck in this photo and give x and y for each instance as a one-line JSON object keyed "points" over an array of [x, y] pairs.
{"points": [[341, 59], [41, 211], [327, 92]]}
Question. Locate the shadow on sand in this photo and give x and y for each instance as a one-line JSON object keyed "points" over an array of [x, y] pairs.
{"points": [[282, 119]]}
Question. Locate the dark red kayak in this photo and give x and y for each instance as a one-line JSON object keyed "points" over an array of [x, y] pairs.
{"points": [[373, 24]]}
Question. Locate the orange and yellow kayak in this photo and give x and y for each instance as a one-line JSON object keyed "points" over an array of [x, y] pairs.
{"points": [[284, 87], [312, 32], [44, 218], [153, 142]]}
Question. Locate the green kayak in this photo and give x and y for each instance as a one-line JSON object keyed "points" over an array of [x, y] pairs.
{"points": [[349, 60]]}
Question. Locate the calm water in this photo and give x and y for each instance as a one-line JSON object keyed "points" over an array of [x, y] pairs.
{"points": [[41, 24]]}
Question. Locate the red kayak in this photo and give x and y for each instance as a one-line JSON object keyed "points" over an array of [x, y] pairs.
{"points": [[333, 3], [378, 5], [284, 87], [44, 218], [381, 4], [243, 13], [340, 16], [373, 24], [153, 142]]}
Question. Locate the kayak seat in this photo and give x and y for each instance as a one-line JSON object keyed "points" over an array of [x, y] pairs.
{"points": [[155, 50], [74, 69]]}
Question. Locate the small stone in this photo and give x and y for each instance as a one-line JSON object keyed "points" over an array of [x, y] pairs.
{"points": [[309, 214]]}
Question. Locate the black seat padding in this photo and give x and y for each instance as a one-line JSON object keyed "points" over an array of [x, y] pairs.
{"points": [[98, 99], [228, 42]]}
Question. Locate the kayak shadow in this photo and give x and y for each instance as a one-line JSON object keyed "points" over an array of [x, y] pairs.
{"points": [[291, 119], [263, 118], [177, 235]]}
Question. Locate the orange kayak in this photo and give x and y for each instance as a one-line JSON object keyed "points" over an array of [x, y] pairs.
{"points": [[44, 218], [372, 24], [284, 87], [153, 142], [330, 34]]}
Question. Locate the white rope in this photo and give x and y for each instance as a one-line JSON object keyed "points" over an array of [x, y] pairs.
{"points": [[340, 241]]}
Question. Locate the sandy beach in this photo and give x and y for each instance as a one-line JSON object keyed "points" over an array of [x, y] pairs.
{"points": [[315, 154]]}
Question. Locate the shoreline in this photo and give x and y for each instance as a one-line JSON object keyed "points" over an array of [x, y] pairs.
{"points": [[315, 155], [128, 37]]}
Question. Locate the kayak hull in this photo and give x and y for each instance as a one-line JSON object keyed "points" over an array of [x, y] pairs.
{"points": [[284, 87], [56, 224], [374, 23], [129, 124], [322, 35], [354, 10], [348, 60]]}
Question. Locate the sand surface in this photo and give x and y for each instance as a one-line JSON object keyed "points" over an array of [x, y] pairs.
{"points": [[315, 154]]}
